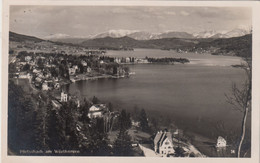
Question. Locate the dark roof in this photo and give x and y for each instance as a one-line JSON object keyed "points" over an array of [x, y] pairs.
{"points": [[161, 136]]}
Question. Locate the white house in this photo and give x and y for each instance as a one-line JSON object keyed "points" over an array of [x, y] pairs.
{"points": [[88, 69], [163, 143], [63, 97], [97, 110], [135, 123], [221, 142], [28, 58], [84, 63], [72, 71], [56, 104], [45, 86]]}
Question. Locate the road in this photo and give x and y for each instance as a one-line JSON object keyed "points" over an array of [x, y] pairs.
{"points": [[148, 152]]}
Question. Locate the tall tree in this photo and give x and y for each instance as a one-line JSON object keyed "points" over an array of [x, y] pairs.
{"points": [[40, 130], [123, 144], [96, 141], [124, 120], [95, 100], [20, 119], [143, 121], [55, 131], [241, 100]]}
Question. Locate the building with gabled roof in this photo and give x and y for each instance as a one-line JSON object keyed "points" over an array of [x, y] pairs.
{"points": [[64, 97], [221, 142], [163, 143], [97, 110]]}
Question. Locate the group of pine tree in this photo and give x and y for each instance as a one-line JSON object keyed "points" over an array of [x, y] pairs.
{"points": [[34, 124]]}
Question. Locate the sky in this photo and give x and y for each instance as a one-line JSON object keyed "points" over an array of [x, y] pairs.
{"points": [[85, 21]]}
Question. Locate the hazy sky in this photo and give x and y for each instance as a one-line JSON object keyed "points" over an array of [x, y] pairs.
{"points": [[42, 21]]}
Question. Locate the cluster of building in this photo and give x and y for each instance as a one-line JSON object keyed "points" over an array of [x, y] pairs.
{"points": [[46, 71], [95, 111], [195, 50], [49, 47], [165, 144], [130, 60]]}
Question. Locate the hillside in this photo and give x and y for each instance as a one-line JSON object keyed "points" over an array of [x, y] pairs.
{"points": [[239, 46], [21, 38], [127, 42], [111, 43]]}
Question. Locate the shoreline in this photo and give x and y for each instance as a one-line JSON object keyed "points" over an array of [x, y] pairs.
{"points": [[85, 78]]}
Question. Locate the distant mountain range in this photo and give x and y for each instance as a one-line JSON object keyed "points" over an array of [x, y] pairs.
{"points": [[142, 35]]}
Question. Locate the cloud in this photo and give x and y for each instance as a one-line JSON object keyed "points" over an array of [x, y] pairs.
{"points": [[184, 13]]}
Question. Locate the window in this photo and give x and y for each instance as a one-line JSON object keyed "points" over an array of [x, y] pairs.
{"points": [[166, 143]]}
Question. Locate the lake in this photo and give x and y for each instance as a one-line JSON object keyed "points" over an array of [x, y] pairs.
{"points": [[192, 95]]}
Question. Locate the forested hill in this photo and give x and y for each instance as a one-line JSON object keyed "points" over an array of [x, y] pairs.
{"points": [[239, 46], [21, 38], [127, 42]]}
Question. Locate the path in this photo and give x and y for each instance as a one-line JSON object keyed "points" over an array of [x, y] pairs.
{"points": [[148, 152]]}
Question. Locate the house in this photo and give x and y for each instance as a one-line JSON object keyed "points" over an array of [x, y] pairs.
{"points": [[38, 79], [63, 97], [36, 71], [56, 104], [163, 143], [117, 60], [45, 86], [57, 85], [28, 58], [84, 63], [127, 59], [97, 110], [221, 142], [135, 123], [24, 75], [88, 69], [72, 71]]}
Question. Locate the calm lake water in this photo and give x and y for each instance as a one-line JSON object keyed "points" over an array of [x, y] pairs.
{"points": [[193, 95]]}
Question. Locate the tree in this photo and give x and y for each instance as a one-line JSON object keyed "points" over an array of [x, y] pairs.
{"points": [[95, 100], [123, 144], [179, 152], [55, 131], [124, 120], [96, 142], [241, 100], [26, 67], [40, 130], [20, 119], [84, 110], [110, 107], [143, 121]]}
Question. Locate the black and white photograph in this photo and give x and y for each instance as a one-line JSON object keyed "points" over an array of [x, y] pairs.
{"points": [[130, 81]]}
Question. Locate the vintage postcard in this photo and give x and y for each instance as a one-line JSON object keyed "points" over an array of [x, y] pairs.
{"points": [[112, 81]]}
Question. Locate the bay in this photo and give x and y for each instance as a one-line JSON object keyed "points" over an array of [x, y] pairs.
{"points": [[192, 95]]}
